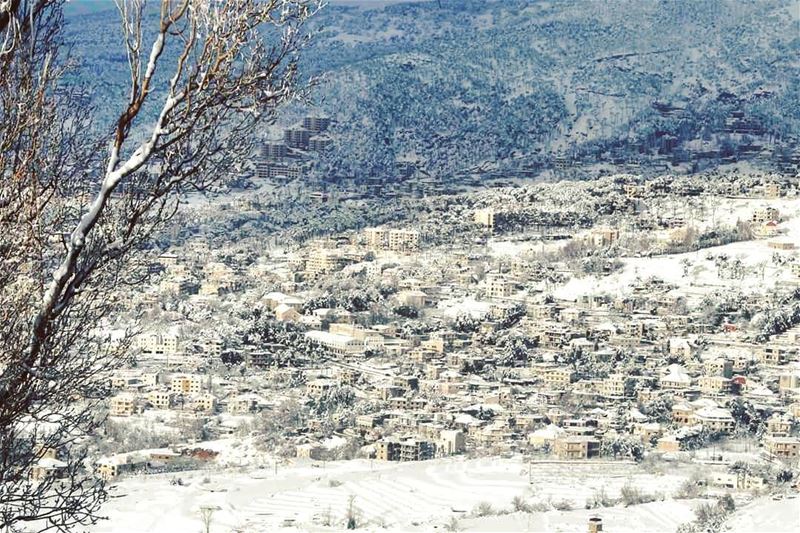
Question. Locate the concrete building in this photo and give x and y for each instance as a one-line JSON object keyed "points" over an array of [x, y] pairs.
{"points": [[122, 405], [187, 383], [764, 214], [161, 399], [336, 343], [451, 441], [397, 240], [404, 450], [296, 137], [577, 447], [316, 124], [785, 447]]}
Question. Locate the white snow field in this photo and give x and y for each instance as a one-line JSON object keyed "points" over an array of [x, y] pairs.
{"points": [[767, 515], [418, 496], [703, 278]]}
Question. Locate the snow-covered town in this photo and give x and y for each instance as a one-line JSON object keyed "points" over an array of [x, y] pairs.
{"points": [[399, 265], [637, 350]]}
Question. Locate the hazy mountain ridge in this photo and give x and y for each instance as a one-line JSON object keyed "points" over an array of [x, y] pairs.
{"points": [[505, 85], [582, 80]]}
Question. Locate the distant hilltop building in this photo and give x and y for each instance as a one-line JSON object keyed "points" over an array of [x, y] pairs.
{"points": [[271, 169], [274, 150], [296, 137], [318, 143], [316, 124]]}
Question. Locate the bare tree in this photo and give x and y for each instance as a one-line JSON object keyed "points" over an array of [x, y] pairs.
{"points": [[207, 516], [77, 206]]}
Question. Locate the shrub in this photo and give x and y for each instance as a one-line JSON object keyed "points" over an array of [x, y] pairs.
{"points": [[708, 513], [453, 525], [694, 487], [631, 495], [520, 505], [483, 509], [334, 483], [539, 507], [600, 498], [727, 504], [563, 505]]}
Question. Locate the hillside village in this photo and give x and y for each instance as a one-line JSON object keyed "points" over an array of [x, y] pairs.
{"points": [[660, 327], [400, 266]]}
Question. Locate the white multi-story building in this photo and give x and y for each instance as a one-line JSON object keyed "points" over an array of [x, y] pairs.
{"points": [[337, 343], [159, 343], [187, 383], [397, 240]]}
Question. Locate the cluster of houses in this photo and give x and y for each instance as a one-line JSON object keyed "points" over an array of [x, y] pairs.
{"points": [[462, 353]]}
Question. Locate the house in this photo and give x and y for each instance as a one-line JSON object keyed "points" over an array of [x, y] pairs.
{"points": [[286, 313], [161, 399], [737, 481], [545, 436], [48, 468], [613, 386], [186, 383], [714, 419], [576, 447], [668, 444], [110, 467], [336, 343], [309, 451], [243, 403], [484, 217], [317, 387], [604, 236], [764, 214], [498, 286], [766, 229], [676, 377], [205, 402], [413, 298], [718, 367], [788, 381], [398, 240], [714, 384], [558, 378], [785, 447], [682, 413], [451, 442], [779, 425], [122, 405], [404, 450], [680, 347], [776, 354], [647, 431], [781, 244]]}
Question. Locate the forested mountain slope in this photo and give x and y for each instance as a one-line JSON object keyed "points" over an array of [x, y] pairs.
{"points": [[460, 85]]}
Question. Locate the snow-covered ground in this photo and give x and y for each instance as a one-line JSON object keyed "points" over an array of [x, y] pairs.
{"points": [[393, 496], [767, 515], [702, 275]]}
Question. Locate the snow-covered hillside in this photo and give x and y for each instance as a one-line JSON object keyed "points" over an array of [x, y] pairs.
{"points": [[457, 86]]}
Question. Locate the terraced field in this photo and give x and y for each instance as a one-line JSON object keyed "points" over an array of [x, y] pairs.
{"points": [[413, 496]]}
